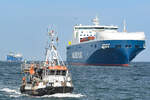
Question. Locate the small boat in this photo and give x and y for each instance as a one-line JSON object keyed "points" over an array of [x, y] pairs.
{"points": [[49, 77]]}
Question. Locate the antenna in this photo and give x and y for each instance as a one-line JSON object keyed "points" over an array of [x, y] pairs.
{"points": [[124, 26], [52, 57]]}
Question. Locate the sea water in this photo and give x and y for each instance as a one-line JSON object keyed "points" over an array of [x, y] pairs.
{"points": [[90, 83]]}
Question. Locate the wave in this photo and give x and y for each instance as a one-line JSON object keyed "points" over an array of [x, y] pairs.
{"points": [[11, 92]]}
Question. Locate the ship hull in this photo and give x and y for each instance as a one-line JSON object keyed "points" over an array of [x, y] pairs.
{"points": [[14, 59], [104, 53], [46, 91]]}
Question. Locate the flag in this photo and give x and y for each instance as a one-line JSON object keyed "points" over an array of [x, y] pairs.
{"points": [[69, 42]]}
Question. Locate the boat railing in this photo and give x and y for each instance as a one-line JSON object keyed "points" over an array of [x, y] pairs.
{"points": [[25, 67]]}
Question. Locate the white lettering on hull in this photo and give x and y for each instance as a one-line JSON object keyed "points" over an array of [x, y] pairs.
{"points": [[77, 55], [104, 46]]}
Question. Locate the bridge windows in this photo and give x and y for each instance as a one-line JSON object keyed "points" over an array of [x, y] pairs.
{"points": [[58, 72], [63, 72], [51, 72]]}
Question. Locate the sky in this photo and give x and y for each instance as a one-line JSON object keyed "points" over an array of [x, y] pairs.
{"points": [[23, 23]]}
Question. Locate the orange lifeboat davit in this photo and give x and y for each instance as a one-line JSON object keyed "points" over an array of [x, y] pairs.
{"points": [[87, 38]]}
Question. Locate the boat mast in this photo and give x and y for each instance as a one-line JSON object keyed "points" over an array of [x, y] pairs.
{"points": [[52, 58], [124, 26]]}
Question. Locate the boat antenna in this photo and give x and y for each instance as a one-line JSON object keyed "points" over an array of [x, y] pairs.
{"points": [[124, 26]]}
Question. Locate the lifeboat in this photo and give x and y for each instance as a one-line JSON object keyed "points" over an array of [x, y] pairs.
{"points": [[87, 38]]}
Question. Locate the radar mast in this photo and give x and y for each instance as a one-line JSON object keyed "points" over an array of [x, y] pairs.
{"points": [[124, 26], [95, 21]]}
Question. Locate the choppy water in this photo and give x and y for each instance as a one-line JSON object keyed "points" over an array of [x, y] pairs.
{"points": [[90, 83]]}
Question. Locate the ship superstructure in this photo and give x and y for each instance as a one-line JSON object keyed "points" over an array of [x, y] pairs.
{"points": [[104, 45], [14, 57]]}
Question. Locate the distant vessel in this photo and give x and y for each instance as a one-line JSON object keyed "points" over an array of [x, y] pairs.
{"points": [[103, 45], [14, 57], [50, 77]]}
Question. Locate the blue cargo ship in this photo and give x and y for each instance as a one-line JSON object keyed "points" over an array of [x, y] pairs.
{"points": [[14, 57], [103, 45]]}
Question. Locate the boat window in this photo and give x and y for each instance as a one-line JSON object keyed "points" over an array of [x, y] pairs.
{"points": [[58, 72], [51, 72], [137, 46], [128, 46], [84, 34], [91, 45], [95, 45], [80, 34], [113, 28], [63, 72], [89, 28], [110, 28], [118, 46]]}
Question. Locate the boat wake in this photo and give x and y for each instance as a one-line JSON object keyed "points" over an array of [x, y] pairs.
{"points": [[11, 92], [15, 93], [65, 95]]}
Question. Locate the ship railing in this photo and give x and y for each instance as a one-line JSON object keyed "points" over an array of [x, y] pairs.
{"points": [[25, 67]]}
